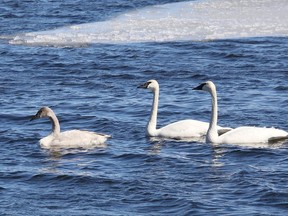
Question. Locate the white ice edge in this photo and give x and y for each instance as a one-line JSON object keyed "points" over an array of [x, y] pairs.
{"points": [[194, 20]]}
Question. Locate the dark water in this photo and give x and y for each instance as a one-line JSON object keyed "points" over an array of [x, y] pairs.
{"points": [[93, 87]]}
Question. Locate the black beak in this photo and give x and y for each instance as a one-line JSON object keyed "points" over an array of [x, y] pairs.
{"points": [[200, 87], [144, 85], [36, 116]]}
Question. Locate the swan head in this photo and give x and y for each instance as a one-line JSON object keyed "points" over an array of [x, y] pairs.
{"points": [[150, 84], [43, 112], [206, 86]]}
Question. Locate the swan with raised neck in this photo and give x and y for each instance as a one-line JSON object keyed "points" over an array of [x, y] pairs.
{"points": [[67, 139], [240, 135], [184, 129]]}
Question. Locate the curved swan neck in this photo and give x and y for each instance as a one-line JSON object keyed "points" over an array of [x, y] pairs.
{"points": [[151, 126], [212, 133], [55, 123]]}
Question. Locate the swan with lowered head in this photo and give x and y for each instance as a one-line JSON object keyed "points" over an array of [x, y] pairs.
{"points": [[184, 129], [67, 139], [240, 135]]}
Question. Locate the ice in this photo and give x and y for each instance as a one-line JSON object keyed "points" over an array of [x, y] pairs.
{"points": [[194, 21]]}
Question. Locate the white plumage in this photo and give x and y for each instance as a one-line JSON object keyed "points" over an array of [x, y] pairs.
{"points": [[184, 129], [67, 139], [240, 135]]}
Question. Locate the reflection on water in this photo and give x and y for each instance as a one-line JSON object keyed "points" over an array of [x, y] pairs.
{"points": [[57, 159], [217, 154]]}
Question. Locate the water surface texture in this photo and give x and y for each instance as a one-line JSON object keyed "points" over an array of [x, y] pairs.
{"points": [[85, 60]]}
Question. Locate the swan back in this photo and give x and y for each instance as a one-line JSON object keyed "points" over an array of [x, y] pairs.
{"points": [[74, 139], [248, 134]]}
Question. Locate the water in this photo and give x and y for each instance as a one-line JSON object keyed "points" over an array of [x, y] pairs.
{"points": [[92, 85]]}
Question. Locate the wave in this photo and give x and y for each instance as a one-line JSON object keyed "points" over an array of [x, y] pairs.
{"points": [[192, 20]]}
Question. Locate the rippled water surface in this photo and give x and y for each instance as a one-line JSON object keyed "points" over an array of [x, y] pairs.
{"points": [[93, 86]]}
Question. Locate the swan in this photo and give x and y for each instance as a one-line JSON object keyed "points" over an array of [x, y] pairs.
{"points": [[240, 135], [184, 129], [67, 139]]}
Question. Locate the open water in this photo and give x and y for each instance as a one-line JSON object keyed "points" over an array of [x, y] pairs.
{"points": [[85, 60]]}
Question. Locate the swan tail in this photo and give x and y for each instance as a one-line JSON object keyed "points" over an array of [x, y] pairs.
{"points": [[274, 140], [105, 135]]}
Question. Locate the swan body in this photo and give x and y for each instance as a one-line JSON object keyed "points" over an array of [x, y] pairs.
{"points": [[252, 135], [67, 139], [240, 135], [178, 130]]}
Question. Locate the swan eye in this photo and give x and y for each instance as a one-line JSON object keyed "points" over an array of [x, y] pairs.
{"points": [[145, 85], [41, 112]]}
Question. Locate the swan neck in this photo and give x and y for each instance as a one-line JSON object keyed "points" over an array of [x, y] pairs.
{"points": [[212, 133], [151, 126], [55, 124]]}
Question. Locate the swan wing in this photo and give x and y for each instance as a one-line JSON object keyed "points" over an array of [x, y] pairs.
{"points": [[184, 129], [244, 135], [75, 139], [188, 128]]}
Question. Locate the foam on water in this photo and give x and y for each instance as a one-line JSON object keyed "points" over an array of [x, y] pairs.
{"points": [[194, 20]]}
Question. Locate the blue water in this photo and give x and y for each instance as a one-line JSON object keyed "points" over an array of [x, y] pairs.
{"points": [[93, 86]]}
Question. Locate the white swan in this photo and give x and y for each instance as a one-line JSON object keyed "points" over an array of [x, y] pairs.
{"points": [[67, 139], [240, 135], [184, 129]]}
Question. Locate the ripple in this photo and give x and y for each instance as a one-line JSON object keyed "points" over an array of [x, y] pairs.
{"points": [[275, 198], [94, 88], [281, 88]]}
